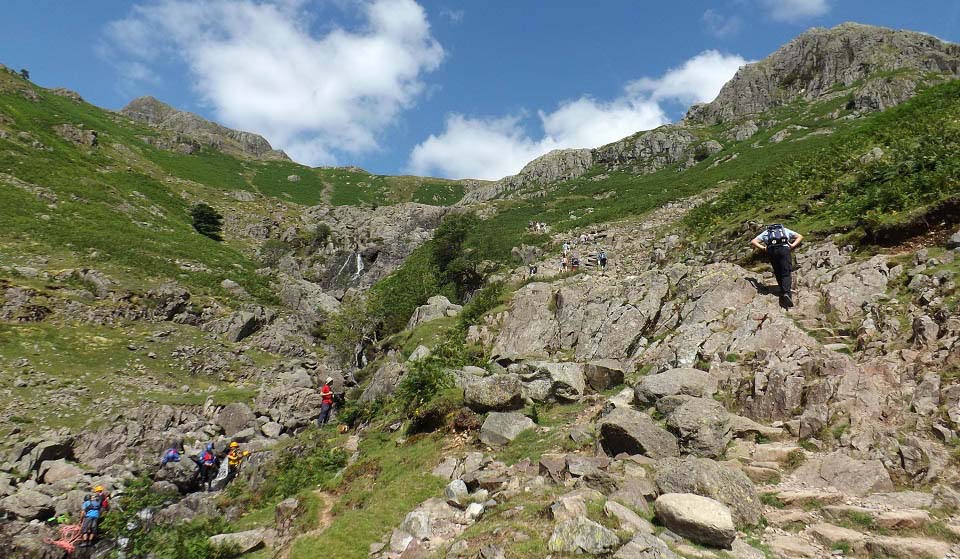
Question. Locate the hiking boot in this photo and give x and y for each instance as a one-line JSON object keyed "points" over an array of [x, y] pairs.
{"points": [[786, 300]]}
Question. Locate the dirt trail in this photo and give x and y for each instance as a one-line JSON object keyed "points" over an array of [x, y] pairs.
{"points": [[324, 519]]}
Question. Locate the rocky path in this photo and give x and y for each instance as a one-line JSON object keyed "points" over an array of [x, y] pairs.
{"points": [[323, 521]]}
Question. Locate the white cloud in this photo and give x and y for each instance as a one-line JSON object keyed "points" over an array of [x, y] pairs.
{"points": [[721, 26], [491, 148], [260, 68], [792, 11]]}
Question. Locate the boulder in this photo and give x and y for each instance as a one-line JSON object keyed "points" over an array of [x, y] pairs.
{"points": [[603, 374], [384, 381], [53, 471], [839, 471], [501, 428], [629, 431], [629, 520], [954, 241], [645, 546], [437, 306], [235, 417], [28, 504], [702, 425], [547, 381], [700, 519], [689, 382], [707, 478], [497, 393], [456, 492], [242, 324], [582, 535], [271, 429], [241, 542]]}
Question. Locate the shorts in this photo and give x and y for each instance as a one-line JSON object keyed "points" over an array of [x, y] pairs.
{"points": [[89, 525]]}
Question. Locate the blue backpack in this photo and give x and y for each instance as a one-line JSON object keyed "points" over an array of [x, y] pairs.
{"points": [[777, 235]]}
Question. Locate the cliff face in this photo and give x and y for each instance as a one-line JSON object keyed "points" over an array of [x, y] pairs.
{"points": [[875, 62], [879, 68], [149, 110]]}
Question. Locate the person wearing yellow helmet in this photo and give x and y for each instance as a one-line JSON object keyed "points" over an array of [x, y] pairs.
{"points": [[235, 459]]}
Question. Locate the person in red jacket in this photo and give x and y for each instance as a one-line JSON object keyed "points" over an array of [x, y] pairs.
{"points": [[326, 402]]}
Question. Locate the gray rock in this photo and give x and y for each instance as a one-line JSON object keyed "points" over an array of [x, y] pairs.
{"points": [[456, 492], [710, 479], [700, 519], [548, 381], [271, 429], [837, 470], [629, 520], [685, 381], [628, 431], [58, 470], [437, 306], [702, 426], [500, 428], [954, 241], [497, 392], [234, 418], [384, 381], [645, 546], [28, 504], [242, 542], [582, 535], [603, 374]]}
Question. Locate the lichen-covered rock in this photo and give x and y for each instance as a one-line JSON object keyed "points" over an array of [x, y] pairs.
{"points": [[702, 425], [582, 535], [839, 471], [500, 428], [496, 392], [629, 431], [685, 381], [708, 478]]}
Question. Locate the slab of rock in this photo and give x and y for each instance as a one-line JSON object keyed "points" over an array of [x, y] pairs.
{"points": [[271, 429], [743, 427], [792, 547], [702, 426], [830, 536], [28, 504], [496, 393], [711, 479], [582, 535], [697, 518], [629, 520], [954, 241], [902, 519], [628, 431], [242, 542], [688, 382], [907, 548], [234, 418], [603, 374], [837, 470], [53, 471], [437, 306], [500, 428], [548, 381], [645, 546], [742, 550], [456, 492], [804, 497]]}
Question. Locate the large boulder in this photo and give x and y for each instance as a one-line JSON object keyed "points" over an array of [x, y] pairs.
{"points": [[628, 431], [705, 477], [839, 471], [688, 382], [384, 381], [501, 428], [240, 542], [700, 519], [582, 535], [437, 306], [497, 392], [603, 374], [242, 324], [954, 241], [235, 417], [28, 504], [702, 425], [547, 381], [53, 471]]}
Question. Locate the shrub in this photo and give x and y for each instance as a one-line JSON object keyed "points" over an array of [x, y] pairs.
{"points": [[418, 387], [207, 221], [482, 302], [272, 251]]}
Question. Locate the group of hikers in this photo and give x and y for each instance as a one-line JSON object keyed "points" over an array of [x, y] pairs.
{"points": [[208, 462], [537, 226], [94, 506]]}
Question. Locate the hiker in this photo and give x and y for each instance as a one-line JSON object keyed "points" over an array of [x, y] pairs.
{"points": [[602, 260], [90, 512], [779, 241], [326, 402], [172, 454], [234, 460], [566, 248], [574, 263], [208, 465], [532, 270], [104, 497], [563, 264]]}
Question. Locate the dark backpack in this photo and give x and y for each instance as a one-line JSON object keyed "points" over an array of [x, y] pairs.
{"points": [[602, 257], [777, 236], [93, 504]]}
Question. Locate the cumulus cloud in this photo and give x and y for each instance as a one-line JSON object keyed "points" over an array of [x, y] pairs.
{"points": [[260, 68], [795, 10], [721, 26], [491, 148]]}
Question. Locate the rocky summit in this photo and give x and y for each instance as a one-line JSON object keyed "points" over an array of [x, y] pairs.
{"points": [[587, 358]]}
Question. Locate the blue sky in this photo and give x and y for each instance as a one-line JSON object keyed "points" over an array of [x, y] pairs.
{"points": [[459, 89]]}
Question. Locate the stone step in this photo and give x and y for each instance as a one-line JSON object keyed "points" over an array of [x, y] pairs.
{"points": [[906, 548], [837, 347], [845, 340], [832, 536], [802, 498]]}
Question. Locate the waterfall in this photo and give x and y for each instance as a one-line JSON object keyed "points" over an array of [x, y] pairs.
{"points": [[359, 267], [345, 262]]}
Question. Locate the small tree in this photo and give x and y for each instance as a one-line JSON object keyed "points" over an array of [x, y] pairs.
{"points": [[349, 330], [207, 221], [24, 73], [458, 264]]}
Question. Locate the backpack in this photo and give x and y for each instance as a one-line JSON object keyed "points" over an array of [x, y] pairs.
{"points": [[208, 458], [93, 505], [602, 257], [777, 236]]}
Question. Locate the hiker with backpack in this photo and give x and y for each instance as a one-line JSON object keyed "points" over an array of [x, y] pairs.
{"points": [[90, 512], [779, 242], [235, 459], [208, 465], [602, 260]]}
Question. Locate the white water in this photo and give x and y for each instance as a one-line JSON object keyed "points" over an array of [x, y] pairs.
{"points": [[359, 267]]}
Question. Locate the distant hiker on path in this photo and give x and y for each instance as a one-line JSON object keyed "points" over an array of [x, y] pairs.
{"points": [[235, 459], [208, 464], [532, 271], [602, 260], [326, 402], [779, 243]]}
